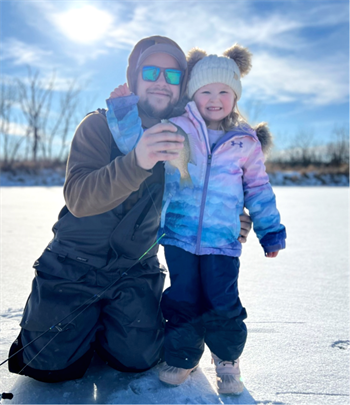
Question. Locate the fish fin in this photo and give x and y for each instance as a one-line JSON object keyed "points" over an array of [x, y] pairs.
{"points": [[193, 159], [191, 142], [186, 182], [169, 168], [193, 154]]}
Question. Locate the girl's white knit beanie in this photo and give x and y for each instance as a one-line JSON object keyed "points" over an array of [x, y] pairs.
{"points": [[226, 69]]}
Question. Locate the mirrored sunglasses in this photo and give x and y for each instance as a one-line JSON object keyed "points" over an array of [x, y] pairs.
{"points": [[152, 73]]}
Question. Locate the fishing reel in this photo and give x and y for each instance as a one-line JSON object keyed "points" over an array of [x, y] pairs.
{"points": [[6, 395]]}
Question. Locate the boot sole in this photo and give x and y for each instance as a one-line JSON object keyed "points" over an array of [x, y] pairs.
{"points": [[173, 384], [227, 392], [230, 393]]}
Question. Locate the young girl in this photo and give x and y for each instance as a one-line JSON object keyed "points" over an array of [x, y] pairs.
{"points": [[201, 223]]}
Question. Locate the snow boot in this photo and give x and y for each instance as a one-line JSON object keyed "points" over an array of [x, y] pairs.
{"points": [[228, 376], [174, 375]]}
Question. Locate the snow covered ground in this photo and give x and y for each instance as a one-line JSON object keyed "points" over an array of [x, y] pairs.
{"points": [[55, 177], [298, 310]]}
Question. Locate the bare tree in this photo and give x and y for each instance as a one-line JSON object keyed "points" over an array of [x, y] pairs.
{"points": [[11, 140], [34, 99], [302, 150], [338, 148], [46, 111], [65, 119]]}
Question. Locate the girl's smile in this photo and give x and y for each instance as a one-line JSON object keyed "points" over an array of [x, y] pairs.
{"points": [[215, 102]]}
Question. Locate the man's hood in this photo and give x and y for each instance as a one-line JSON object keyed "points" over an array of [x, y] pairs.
{"points": [[131, 73]]}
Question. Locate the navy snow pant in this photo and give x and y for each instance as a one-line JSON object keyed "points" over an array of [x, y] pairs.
{"points": [[202, 306], [125, 325]]}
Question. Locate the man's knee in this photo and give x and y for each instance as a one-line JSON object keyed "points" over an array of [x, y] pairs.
{"points": [[73, 371], [133, 363], [132, 355]]}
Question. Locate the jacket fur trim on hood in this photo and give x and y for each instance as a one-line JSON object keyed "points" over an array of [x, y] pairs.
{"points": [[202, 217], [265, 137]]}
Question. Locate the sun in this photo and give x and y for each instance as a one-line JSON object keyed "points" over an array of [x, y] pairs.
{"points": [[84, 24]]}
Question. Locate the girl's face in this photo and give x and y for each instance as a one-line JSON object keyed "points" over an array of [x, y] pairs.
{"points": [[215, 102]]}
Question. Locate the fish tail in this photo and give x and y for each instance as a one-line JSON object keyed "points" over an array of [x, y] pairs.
{"points": [[186, 182]]}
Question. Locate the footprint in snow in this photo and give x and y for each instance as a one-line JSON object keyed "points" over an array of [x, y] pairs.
{"points": [[342, 344]]}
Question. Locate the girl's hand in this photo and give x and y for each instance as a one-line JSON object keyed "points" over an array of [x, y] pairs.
{"points": [[246, 226], [121, 91], [272, 254]]}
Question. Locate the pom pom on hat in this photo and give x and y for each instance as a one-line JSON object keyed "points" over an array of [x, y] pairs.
{"points": [[226, 69], [241, 56], [194, 56]]}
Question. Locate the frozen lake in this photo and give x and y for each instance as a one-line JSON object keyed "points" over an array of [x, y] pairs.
{"points": [[298, 308]]}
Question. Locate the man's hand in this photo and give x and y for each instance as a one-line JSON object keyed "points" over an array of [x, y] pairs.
{"points": [[246, 226], [120, 91], [272, 254], [157, 144]]}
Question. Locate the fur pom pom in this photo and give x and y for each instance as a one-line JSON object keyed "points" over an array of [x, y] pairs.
{"points": [[194, 56], [241, 56], [265, 137]]}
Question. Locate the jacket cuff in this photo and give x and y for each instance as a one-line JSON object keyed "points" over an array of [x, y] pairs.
{"points": [[122, 105], [274, 241]]}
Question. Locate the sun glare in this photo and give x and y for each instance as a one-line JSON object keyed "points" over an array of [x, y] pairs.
{"points": [[84, 24]]}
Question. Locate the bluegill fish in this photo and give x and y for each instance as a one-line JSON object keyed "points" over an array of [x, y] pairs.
{"points": [[186, 155]]}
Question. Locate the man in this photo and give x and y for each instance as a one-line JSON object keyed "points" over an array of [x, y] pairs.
{"points": [[95, 289]]}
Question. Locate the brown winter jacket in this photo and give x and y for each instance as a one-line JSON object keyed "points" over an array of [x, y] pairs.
{"points": [[94, 184], [113, 206]]}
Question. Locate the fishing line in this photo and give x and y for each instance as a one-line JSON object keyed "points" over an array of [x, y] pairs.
{"points": [[154, 204], [54, 336], [93, 298], [54, 326]]}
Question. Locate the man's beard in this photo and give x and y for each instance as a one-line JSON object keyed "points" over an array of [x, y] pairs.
{"points": [[155, 113]]}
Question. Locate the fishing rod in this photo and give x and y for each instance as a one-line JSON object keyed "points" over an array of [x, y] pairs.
{"points": [[9, 395], [93, 299], [6, 395]]}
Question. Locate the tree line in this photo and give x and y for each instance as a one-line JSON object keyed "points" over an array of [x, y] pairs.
{"points": [[304, 151], [38, 117]]}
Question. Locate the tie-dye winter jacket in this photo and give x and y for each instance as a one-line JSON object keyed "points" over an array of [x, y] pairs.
{"points": [[205, 219]]}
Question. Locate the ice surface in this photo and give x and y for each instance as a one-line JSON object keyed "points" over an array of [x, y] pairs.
{"points": [[55, 177], [298, 310]]}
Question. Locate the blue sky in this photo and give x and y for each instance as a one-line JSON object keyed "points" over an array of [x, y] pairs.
{"points": [[300, 75]]}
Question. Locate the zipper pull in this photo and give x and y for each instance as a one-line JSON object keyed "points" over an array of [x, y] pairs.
{"points": [[209, 159]]}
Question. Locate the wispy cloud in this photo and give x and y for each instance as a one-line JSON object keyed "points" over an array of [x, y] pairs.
{"points": [[287, 67], [219, 24], [213, 25], [20, 53], [14, 129], [290, 62], [289, 79], [43, 63]]}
